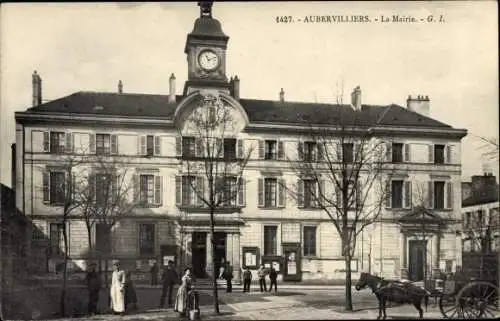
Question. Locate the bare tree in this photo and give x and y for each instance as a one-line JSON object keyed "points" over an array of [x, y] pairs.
{"points": [[341, 172], [58, 189], [490, 147], [105, 196], [213, 161]]}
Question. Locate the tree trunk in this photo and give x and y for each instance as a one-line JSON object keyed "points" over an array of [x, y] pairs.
{"points": [[348, 282], [214, 275], [62, 303], [89, 239]]}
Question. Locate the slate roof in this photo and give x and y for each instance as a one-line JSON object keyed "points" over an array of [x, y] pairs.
{"points": [[480, 199], [157, 106]]}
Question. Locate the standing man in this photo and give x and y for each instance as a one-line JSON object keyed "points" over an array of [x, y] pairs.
{"points": [[154, 273], [228, 275], [93, 281], [261, 273], [247, 279], [169, 278], [273, 275]]}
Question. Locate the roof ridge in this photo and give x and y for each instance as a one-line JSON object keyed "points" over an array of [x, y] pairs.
{"points": [[117, 93]]}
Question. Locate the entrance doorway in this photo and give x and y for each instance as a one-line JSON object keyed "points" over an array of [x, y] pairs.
{"points": [[199, 254], [416, 266], [220, 250]]}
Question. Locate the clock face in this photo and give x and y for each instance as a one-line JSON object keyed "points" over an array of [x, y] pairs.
{"points": [[208, 60]]}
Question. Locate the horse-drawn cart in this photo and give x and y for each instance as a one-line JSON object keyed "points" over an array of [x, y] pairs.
{"points": [[472, 295]]}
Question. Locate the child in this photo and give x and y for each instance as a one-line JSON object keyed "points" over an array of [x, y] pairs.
{"points": [[247, 279]]}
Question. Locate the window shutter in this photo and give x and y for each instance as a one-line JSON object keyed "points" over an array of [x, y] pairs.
{"points": [[69, 143], [92, 143], [388, 195], [114, 144], [241, 192], [406, 153], [46, 142], [159, 190], [178, 190], [448, 155], [358, 153], [430, 194], [219, 147], [198, 147], [300, 150], [136, 187], [449, 195], [338, 192], [319, 151], [46, 187], [300, 193], [261, 149], [358, 195], [408, 194], [115, 183], [281, 192], [92, 187], [281, 150], [321, 192], [261, 192], [157, 148], [239, 149], [200, 190], [431, 153], [178, 146], [143, 145], [388, 151], [73, 187]]}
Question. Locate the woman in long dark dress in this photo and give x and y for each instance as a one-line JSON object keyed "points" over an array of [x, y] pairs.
{"points": [[182, 293]]}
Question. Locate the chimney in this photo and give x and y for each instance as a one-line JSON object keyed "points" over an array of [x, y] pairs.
{"points": [[282, 95], [37, 89], [419, 104], [356, 98], [13, 166], [120, 87], [236, 88], [171, 94]]}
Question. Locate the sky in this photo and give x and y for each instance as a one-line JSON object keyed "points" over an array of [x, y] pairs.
{"points": [[90, 46]]}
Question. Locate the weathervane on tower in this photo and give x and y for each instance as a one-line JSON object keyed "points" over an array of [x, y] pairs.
{"points": [[205, 8]]}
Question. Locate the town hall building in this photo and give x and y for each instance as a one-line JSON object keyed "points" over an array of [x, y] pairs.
{"points": [[263, 224]]}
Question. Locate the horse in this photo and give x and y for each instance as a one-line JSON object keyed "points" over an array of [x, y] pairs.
{"points": [[393, 291]]}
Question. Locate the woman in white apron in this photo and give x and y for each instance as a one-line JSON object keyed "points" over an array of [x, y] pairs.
{"points": [[117, 291], [182, 293]]}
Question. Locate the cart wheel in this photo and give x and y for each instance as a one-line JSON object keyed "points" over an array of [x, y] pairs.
{"points": [[478, 300], [449, 308]]}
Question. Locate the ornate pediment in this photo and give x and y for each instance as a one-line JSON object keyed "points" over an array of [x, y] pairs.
{"points": [[421, 215]]}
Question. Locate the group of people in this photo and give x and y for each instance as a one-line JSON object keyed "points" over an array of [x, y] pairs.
{"points": [[262, 272], [123, 297]]}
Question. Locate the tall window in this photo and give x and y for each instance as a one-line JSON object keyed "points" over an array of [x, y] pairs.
{"points": [[438, 154], [397, 152], [309, 241], [188, 147], [103, 144], [229, 148], [103, 188], [150, 145], [147, 190], [438, 195], [270, 186], [147, 239], [310, 193], [188, 192], [397, 194], [309, 151], [347, 152], [57, 188], [57, 142], [270, 240], [230, 190], [270, 151], [102, 238], [56, 238]]}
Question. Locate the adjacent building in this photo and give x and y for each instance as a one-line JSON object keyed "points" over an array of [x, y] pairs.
{"points": [[262, 225]]}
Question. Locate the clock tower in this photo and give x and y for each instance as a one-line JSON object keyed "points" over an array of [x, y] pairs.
{"points": [[206, 53]]}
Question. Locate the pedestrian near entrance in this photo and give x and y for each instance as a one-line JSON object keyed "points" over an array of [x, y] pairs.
{"points": [[169, 279], [273, 275], [247, 279], [93, 281], [154, 273], [228, 276], [261, 273], [117, 290]]}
